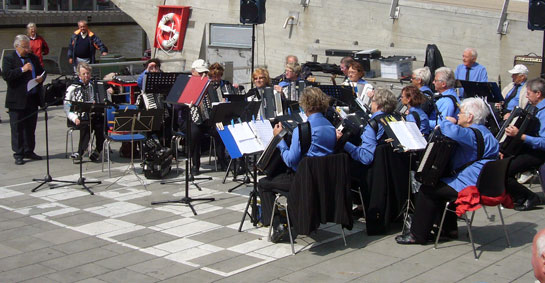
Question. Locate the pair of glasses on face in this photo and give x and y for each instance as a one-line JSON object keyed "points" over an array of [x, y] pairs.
{"points": [[259, 78]]}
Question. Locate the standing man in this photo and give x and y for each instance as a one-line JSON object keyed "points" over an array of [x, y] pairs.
{"points": [[470, 70], [83, 45], [38, 46], [18, 68]]}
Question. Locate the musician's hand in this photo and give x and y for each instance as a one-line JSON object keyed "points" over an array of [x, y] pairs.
{"points": [[277, 129], [452, 119], [27, 67], [511, 131], [152, 68], [70, 61], [506, 116], [501, 155], [77, 122], [110, 91], [278, 88], [371, 93], [498, 105], [339, 134], [40, 79]]}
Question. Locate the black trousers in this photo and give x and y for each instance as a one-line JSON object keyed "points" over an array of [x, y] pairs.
{"points": [[97, 126], [528, 159], [197, 134], [265, 189], [23, 140], [430, 203]]}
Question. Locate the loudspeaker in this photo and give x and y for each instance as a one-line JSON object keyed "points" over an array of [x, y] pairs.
{"points": [[252, 11], [536, 15]]}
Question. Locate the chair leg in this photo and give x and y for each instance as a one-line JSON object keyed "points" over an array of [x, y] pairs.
{"points": [[272, 217], [486, 212], [440, 226], [344, 236], [109, 165], [470, 235], [104, 147], [504, 228], [289, 229]]}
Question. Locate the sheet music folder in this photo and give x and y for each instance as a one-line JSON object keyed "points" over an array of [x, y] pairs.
{"points": [[406, 135], [188, 90], [490, 90], [246, 138]]}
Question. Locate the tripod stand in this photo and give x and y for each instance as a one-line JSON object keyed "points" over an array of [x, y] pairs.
{"points": [[244, 181], [47, 178], [252, 200], [188, 177]]}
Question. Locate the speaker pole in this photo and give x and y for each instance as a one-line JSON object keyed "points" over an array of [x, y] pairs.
{"points": [[253, 51], [542, 57]]}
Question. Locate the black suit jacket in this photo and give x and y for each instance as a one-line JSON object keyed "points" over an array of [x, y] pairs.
{"points": [[17, 98]]}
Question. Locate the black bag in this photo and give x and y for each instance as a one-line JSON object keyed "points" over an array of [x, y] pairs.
{"points": [[56, 90], [157, 159]]}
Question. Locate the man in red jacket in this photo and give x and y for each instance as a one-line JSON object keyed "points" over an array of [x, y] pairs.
{"points": [[37, 43]]}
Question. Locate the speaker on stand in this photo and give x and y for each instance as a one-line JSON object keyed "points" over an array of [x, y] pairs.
{"points": [[252, 12], [536, 21]]}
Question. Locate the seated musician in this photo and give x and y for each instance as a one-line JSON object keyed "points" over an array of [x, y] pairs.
{"points": [[292, 59], [287, 87], [431, 200], [344, 65], [383, 103], [85, 91], [152, 66], [355, 77], [532, 154], [421, 79], [215, 74], [447, 104], [314, 102], [261, 80], [515, 92], [413, 99], [198, 127]]}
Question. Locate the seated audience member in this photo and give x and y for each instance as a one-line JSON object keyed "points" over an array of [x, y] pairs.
{"points": [[447, 104], [430, 201], [421, 79], [532, 154], [85, 91], [287, 87], [152, 66], [314, 102], [413, 99], [515, 92], [538, 256], [383, 103]]}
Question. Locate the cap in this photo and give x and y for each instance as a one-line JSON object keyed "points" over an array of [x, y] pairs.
{"points": [[519, 69], [200, 66]]}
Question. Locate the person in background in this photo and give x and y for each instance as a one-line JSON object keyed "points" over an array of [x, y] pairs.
{"points": [[287, 87], [152, 66], [470, 70], [83, 44], [421, 79], [413, 99], [344, 64], [18, 68], [515, 92], [292, 59], [37, 43], [447, 104]]}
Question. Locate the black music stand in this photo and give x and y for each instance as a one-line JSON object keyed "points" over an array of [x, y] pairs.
{"points": [[488, 91], [47, 178], [160, 82], [174, 97], [134, 121], [252, 199]]}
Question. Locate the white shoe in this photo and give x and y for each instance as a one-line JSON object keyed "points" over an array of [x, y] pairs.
{"points": [[525, 177], [74, 155]]}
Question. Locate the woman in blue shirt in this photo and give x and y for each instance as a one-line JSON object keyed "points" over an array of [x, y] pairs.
{"points": [[413, 98], [323, 139], [430, 201]]}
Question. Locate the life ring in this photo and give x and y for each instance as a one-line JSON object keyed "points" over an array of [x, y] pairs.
{"points": [[167, 34]]}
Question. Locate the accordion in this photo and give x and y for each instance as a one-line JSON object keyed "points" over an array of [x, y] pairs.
{"points": [[525, 120], [270, 162], [436, 160]]}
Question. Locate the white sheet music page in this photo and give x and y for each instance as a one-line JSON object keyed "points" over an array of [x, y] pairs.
{"points": [[408, 134], [263, 130], [245, 138]]}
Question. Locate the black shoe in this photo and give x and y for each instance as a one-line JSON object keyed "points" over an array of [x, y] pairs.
{"points": [[195, 170], [33, 156], [357, 213], [406, 239], [19, 161], [279, 231], [528, 204], [94, 156]]}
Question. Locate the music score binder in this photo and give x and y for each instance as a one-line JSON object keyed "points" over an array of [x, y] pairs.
{"points": [[246, 138], [188, 90], [405, 135]]}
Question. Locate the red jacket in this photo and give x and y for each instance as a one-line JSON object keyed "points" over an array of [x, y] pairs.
{"points": [[39, 47]]}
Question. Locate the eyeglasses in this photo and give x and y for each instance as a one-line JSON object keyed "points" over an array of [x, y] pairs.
{"points": [[259, 78]]}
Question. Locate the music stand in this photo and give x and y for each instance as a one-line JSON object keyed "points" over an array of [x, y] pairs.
{"points": [[234, 97], [135, 121], [252, 200], [488, 91], [160, 82], [184, 92]]}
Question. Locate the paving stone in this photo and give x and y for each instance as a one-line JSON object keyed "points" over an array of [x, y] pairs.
{"points": [[27, 243], [161, 268], [197, 275], [77, 259], [149, 240], [81, 245], [24, 259], [25, 272], [81, 218], [6, 251], [78, 273], [124, 260], [61, 235], [145, 217], [125, 275]]}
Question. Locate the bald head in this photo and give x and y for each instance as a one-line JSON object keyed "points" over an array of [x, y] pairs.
{"points": [[538, 256]]}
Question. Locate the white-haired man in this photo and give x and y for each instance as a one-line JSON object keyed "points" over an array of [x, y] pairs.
{"points": [[431, 200], [538, 256], [447, 103], [470, 70], [515, 92], [421, 79]]}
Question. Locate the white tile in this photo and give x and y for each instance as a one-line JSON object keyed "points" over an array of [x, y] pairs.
{"points": [[122, 231], [155, 252], [251, 246], [60, 211], [279, 250], [248, 227], [116, 209], [172, 224], [7, 193], [191, 228], [178, 245], [188, 254], [104, 226], [123, 194]]}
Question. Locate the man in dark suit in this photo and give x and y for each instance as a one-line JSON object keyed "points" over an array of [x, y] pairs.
{"points": [[18, 68]]}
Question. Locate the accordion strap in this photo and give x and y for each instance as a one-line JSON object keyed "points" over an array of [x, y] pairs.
{"points": [[305, 137], [480, 150]]}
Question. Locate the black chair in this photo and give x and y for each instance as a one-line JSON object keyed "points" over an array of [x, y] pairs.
{"points": [[319, 194], [491, 183]]}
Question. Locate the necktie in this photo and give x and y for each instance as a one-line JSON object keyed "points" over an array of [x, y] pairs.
{"points": [[467, 73], [512, 94]]}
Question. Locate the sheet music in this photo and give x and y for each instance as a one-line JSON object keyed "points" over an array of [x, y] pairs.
{"points": [[263, 130], [408, 134], [33, 83], [245, 138]]}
